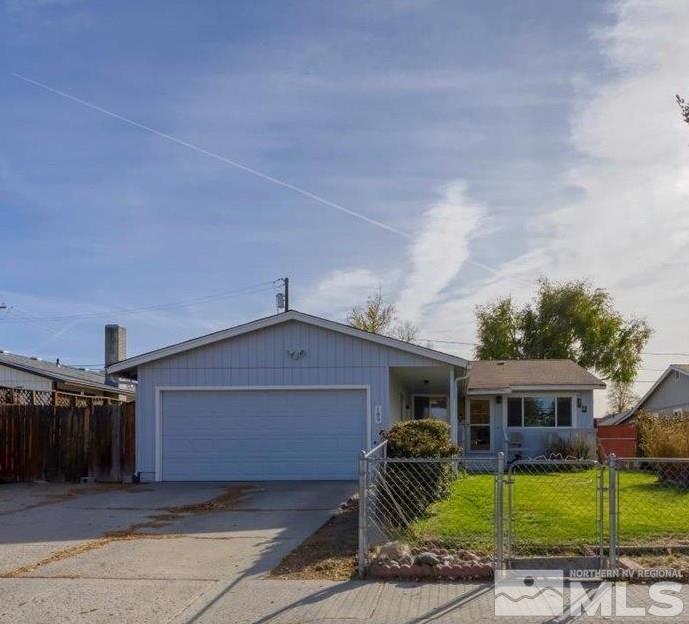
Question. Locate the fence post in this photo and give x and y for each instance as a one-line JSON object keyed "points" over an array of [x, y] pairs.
{"points": [[363, 513], [612, 511], [499, 513], [602, 490]]}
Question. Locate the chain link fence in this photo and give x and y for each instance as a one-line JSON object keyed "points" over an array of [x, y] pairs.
{"points": [[445, 509], [453, 510], [649, 512], [555, 508]]}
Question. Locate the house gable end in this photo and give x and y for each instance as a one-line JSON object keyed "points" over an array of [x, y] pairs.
{"points": [[292, 344], [671, 391]]}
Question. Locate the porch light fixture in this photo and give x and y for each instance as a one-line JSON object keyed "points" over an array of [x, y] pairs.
{"points": [[498, 399]]}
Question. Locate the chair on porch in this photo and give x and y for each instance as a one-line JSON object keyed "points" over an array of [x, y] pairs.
{"points": [[514, 444]]}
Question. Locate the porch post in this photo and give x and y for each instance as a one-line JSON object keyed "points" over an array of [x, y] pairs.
{"points": [[454, 425]]}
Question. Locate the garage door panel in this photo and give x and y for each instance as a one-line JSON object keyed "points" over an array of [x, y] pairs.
{"points": [[256, 471], [182, 447], [262, 435]]}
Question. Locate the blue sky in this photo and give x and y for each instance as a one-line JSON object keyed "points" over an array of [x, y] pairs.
{"points": [[495, 135]]}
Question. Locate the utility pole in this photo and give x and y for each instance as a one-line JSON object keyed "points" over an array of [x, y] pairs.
{"points": [[282, 298]]}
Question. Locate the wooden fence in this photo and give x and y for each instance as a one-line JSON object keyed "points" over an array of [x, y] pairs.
{"points": [[618, 439], [52, 398], [67, 443]]}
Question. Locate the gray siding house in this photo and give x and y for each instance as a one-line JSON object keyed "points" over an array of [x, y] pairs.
{"points": [[669, 395], [291, 396], [295, 396], [521, 406]]}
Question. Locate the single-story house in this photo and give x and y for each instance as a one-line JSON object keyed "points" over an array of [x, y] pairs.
{"points": [[519, 406], [295, 396], [22, 372], [668, 396]]}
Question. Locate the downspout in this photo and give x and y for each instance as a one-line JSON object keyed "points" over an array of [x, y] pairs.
{"points": [[457, 397]]}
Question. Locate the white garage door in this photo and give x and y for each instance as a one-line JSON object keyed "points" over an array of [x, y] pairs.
{"points": [[253, 435]]}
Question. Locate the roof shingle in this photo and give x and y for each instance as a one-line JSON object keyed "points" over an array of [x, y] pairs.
{"points": [[59, 372], [504, 374]]}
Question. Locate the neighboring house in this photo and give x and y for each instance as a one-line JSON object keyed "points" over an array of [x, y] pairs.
{"points": [[295, 396], [519, 406], [31, 373], [669, 395]]}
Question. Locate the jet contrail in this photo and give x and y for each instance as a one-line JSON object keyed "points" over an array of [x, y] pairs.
{"points": [[233, 163], [227, 161]]}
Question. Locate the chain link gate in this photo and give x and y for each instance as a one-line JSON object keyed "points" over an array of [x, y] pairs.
{"points": [[566, 496]]}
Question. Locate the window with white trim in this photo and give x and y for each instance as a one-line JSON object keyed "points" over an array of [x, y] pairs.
{"points": [[540, 411]]}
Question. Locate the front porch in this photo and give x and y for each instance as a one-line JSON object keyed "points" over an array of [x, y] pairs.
{"points": [[418, 392], [522, 425]]}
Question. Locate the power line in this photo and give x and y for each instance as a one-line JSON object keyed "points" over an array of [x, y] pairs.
{"points": [[263, 286], [655, 353], [459, 342]]}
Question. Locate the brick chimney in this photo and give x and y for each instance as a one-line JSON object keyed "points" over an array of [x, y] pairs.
{"points": [[115, 348]]}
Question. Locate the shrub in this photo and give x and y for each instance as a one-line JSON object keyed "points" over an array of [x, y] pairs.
{"points": [[574, 447], [410, 487], [421, 438], [663, 436]]}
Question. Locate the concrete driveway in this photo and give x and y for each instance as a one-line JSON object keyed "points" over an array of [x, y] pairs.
{"points": [[149, 552], [161, 553]]}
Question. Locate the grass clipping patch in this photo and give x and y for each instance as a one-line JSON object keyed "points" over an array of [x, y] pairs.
{"points": [[135, 531], [330, 553]]}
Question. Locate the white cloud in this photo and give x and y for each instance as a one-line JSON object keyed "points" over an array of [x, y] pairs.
{"points": [[339, 290], [632, 224], [629, 229], [438, 250]]}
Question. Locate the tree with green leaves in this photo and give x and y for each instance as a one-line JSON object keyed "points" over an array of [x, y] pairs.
{"points": [[378, 316], [568, 320]]}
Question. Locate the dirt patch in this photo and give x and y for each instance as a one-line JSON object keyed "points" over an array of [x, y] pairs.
{"points": [[136, 530], [224, 501], [330, 553], [669, 560], [52, 493], [60, 555], [156, 521]]}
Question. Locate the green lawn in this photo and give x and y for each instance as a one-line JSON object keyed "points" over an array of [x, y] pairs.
{"points": [[555, 512]]}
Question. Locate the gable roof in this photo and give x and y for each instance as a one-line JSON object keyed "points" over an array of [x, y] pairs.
{"points": [[614, 419], [507, 375], [682, 369], [276, 319], [59, 372]]}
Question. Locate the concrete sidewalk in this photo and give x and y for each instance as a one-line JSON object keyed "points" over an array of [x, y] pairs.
{"points": [[261, 601]]}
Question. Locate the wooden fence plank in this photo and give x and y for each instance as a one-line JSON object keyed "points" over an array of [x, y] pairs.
{"points": [[43, 442]]}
